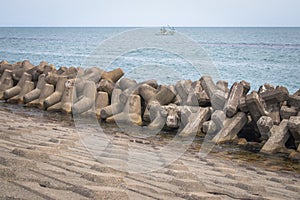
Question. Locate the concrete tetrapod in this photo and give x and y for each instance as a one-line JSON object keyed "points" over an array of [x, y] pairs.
{"points": [[286, 112], [235, 94], [26, 88], [6, 82], [14, 91], [87, 100], [294, 100], [196, 121], [113, 75], [46, 91], [56, 96], [131, 113], [115, 107], [183, 88], [173, 115], [255, 106], [217, 97], [279, 136], [18, 73], [66, 102], [102, 100], [34, 94], [157, 114], [134, 89], [232, 126], [265, 125], [273, 111], [147, 93], [294, 127], [126, 83]]}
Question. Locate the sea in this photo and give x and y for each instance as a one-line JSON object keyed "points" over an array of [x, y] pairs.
{"points": [[258, 55]]}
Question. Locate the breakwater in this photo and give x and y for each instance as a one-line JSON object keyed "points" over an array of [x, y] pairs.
{"points": [[269, 116]]}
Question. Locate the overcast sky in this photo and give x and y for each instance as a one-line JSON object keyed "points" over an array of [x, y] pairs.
{"points": [[150, 12]]}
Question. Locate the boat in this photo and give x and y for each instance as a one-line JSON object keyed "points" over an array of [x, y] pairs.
{"points": [[166, 31]]}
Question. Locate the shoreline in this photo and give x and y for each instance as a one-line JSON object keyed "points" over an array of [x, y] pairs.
{"points": [[43, 160], [243, 154]]}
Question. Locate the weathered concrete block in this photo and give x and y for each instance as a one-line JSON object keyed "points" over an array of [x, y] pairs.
{"points": [[6, 82], [131, 113], [185, 113], [26, 88], [126, 83], [183, 88], [4, 65], [266, 87], [297, 93], [158, 117], [164, 95], [209, 126], [278, 95], [278, 138], [87, 101], [294, 100], [294, 127], [91, 74], [11, 92], [46, 91], [147, 92], [217, 97], [286, 112], [218, 117], [255, 106], [203, 99], [173, 115], [34, 94], [56, 96], [264, 125], [274, 112], [246, 87], [218, 100], [102, 100], [18, 73], [115, 96], [115, 106], [236, 92], [243, 105], [193, 94], [106, 86], [196, 121], [129, 91], [208, 85], [222, 85], [65, 105], [113, 75], [232, 126], [111, 110]]}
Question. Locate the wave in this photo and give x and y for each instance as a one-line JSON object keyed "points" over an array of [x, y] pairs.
{"points": [[270, 45], [34, 38]]}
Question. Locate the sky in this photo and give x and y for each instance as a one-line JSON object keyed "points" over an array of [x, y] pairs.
{"points": [[143, 13]]}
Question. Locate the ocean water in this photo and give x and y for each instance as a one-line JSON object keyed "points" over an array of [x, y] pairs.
{"points": [[257, 55]]}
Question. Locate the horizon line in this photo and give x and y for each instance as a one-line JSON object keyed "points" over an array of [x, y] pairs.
{"points": [[97, 26]]}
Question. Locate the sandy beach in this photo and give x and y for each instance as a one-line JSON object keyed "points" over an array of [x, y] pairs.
{"points": [[43, 159]]}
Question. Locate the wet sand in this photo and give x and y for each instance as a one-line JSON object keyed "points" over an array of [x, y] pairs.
{"points": [[41, 157]]}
